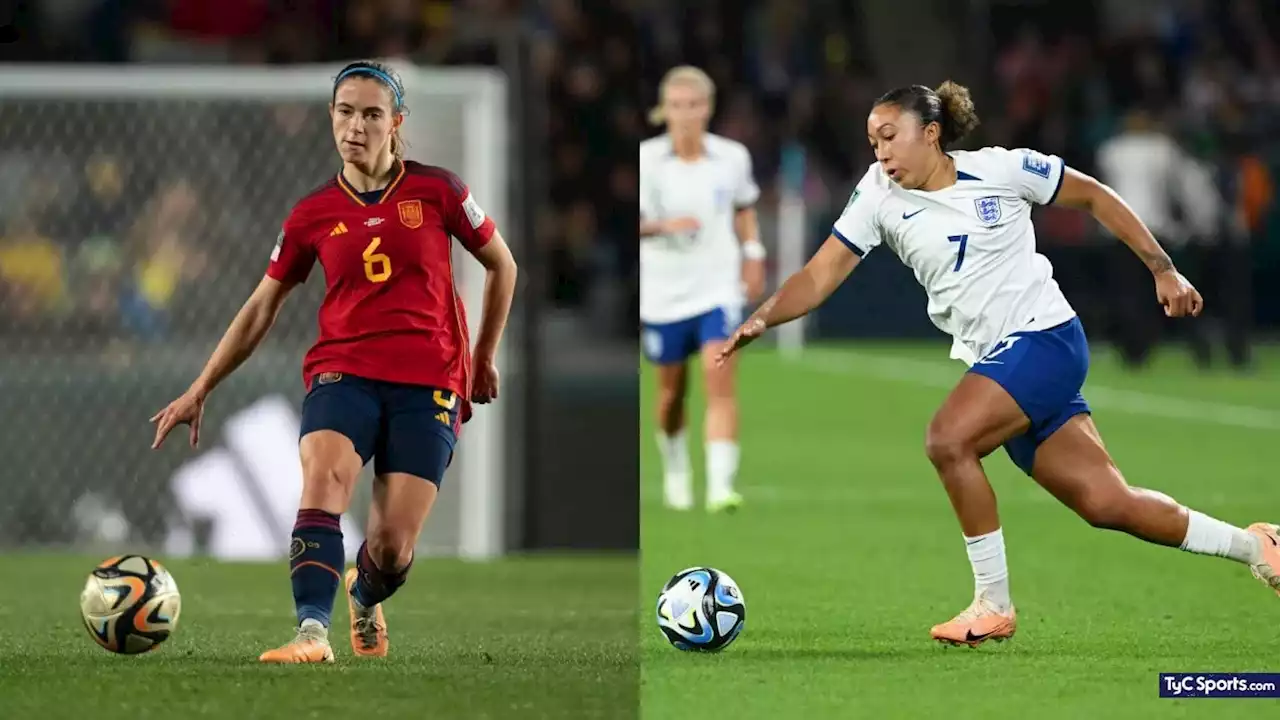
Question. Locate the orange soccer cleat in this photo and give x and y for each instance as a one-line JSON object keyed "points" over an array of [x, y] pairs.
{"points": [[1268, 569], [368, 627], [979, 623], [310, 646]]}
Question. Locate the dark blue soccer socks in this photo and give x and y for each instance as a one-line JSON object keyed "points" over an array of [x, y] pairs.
{"points": [[315, 564], [374, 585]]}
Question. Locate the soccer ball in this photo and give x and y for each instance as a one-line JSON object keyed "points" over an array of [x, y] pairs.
{"points": [[130, 604], [701, 609]]}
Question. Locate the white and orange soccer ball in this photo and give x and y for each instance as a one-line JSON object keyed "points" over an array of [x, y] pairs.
{"points": [[130, 604]]}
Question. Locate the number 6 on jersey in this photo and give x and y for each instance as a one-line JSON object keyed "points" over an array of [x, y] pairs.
{"points": [[377, 266]]}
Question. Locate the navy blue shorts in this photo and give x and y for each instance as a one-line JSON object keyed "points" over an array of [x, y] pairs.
{"points": [[403, 428], [1044, 371], [674, 342]]}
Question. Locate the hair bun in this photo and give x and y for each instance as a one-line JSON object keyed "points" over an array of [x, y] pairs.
{"points": [[960, 116]]}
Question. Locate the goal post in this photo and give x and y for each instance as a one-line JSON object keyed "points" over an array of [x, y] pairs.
{"points": [[181, 177]]}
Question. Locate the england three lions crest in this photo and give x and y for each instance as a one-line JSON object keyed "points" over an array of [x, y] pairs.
{"points": [[722, 196], [410, 213], [988, 209]]}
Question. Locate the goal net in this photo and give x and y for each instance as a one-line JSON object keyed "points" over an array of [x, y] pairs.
{"points": [[138, 209]]}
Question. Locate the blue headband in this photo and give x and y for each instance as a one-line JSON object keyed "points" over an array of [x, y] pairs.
{"points": [[376, 73]]}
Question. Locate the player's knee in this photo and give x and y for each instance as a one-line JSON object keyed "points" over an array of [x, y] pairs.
{"points": [[1107, 508], [327, 480], [327, 487], [669, 399], [944, 446], [719, 386], [671, 408], [390, 548], [330, 466]]}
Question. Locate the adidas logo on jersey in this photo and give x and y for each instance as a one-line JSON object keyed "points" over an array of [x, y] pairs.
{"points": [[338, 229], [443, 417]]}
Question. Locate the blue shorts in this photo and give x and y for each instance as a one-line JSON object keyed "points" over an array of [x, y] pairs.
{"points": [[670, 343], [403, 428], [1043, 371]]}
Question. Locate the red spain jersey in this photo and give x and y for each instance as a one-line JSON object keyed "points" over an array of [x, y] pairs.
{"points": [[391, 310]]}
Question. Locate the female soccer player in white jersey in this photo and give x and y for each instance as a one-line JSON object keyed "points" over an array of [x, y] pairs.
{"points": [[962, 222], [699, 247]]}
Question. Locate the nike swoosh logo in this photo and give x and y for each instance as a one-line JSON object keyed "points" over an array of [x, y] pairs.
{"points": [[908, 216], [970, 637]]}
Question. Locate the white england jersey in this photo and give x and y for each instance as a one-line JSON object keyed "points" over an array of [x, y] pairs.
{"points": [[971, 246], [683, 276]]}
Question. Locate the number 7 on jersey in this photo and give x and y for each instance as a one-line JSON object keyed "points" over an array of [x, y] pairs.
{"points": [[964, 242]]}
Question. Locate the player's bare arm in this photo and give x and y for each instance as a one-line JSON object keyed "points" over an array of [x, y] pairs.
{"points": [[799, 295], [499, 289], [746, 226], [242, 337], [1174, 291], [668, 226]]}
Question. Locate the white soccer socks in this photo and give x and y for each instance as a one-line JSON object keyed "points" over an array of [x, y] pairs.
{"points": [[990, 569], [722, 467], [677, 473], [1210, 536]]}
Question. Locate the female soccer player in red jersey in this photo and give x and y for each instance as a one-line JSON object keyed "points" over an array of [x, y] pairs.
{"points": [[391, 376]]}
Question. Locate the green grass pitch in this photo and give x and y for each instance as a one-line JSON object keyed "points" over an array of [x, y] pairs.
{"points": [[847, 550], [539, 637]]}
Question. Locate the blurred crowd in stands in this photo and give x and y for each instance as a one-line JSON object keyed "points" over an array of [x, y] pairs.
{"points": [[1096, 81], [104, 246]]}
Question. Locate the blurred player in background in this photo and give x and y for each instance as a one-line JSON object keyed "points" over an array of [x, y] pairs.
{"points": [[962, 221], [699, 250], [391, 377]]}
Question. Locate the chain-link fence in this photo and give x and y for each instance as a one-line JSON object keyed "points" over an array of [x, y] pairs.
{"points": [[137, 212]]}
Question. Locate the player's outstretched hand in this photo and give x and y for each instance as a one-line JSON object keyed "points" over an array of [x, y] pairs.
{"points": [[1178, 296], [742, 337], [186, 410], [485, 387]]}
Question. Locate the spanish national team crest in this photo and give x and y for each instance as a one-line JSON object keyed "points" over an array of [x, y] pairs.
{"points": [[410, 213], [988, 209]]}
